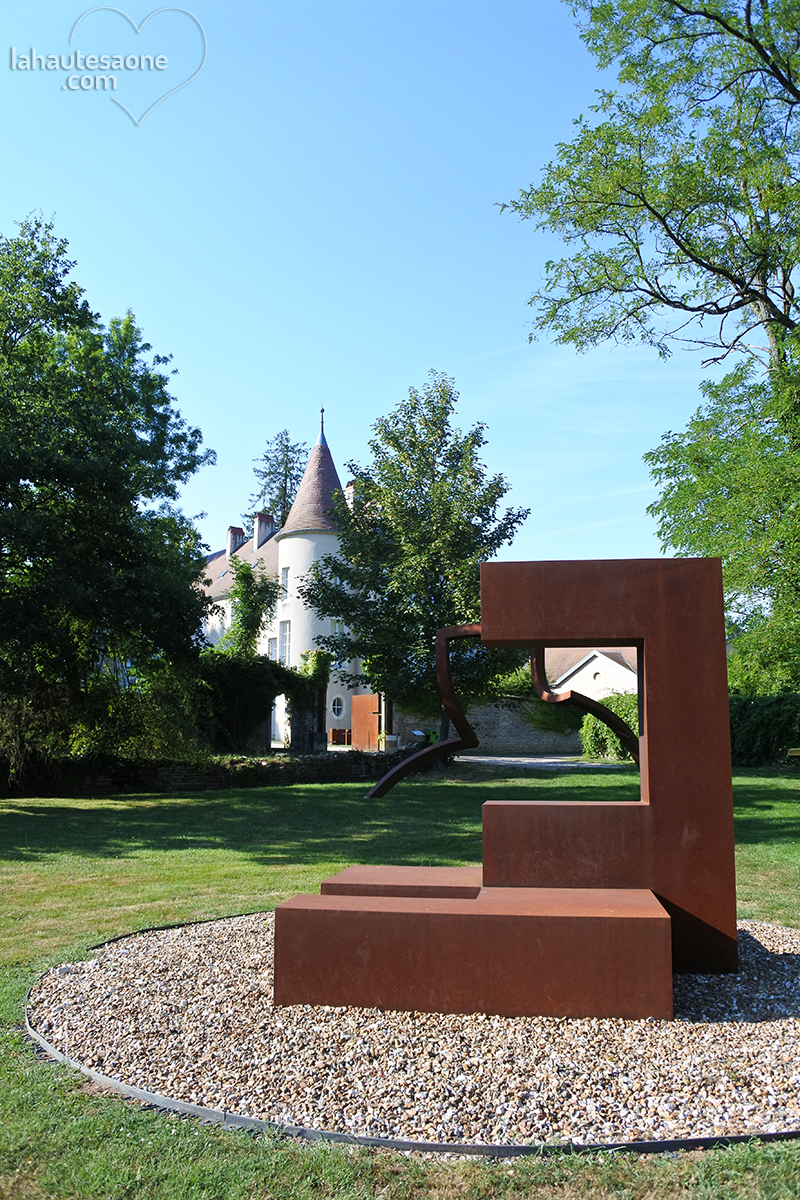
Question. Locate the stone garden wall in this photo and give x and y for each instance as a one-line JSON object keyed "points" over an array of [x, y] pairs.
{"points": [[500, 730], [113, 776]]}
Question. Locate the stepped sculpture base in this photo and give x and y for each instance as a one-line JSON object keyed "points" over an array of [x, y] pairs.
{"points": [[575, 952], [462, 883]]}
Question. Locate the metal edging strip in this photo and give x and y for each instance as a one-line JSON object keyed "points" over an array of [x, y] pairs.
{"points": [[237, 1121]]}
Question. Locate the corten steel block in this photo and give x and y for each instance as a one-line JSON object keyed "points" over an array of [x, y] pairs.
{"points": [[673, 610], [510, 952], [564, 844], [456, 882]]}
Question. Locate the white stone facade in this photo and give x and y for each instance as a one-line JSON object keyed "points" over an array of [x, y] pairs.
{"points": [[287, 554]]}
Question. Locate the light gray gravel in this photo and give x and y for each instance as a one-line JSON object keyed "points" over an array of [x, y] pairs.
{"points": [[188, 1013]]}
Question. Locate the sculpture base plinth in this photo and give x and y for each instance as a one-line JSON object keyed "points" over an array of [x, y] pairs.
{"points": [[575, 952]]}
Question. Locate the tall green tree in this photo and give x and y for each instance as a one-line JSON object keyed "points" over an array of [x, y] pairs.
{"points": [[278, 473], [730, 486], [678, 200], [99, 570], [241, 685], [422, 517], [678, 196]]}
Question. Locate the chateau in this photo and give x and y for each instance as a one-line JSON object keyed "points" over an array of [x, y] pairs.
{"points": [[286, 554]]}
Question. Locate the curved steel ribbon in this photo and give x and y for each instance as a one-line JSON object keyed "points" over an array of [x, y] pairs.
{"points": [[616, 724], [467, 738]]}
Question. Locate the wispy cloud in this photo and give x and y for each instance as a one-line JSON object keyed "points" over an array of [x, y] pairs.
{"points": [[647, 487], [532, 534]]}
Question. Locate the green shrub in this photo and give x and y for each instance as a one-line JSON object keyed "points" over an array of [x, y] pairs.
{"points": [[144, 714], [240, 691], [763, 728], [598, 741]]}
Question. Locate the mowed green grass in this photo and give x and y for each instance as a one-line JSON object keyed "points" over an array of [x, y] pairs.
{"points": [[73, 872]]}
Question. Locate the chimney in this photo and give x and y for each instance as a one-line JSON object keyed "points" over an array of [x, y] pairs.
{"points": [[235, 539], [263, 525], [349, 489]]}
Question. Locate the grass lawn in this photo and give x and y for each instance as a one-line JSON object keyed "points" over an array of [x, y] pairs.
{"points": [[74, 872]]}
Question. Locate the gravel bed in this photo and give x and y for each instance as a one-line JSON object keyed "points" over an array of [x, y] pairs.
{"points": [[188, 1013]]}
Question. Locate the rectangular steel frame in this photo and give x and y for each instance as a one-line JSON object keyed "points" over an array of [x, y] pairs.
{"points": [[678, 840], [581, 909]]}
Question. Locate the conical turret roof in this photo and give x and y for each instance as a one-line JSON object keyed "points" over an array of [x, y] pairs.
{"points": [[314, 499]]}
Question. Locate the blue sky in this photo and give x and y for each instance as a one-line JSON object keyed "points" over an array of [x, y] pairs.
{"points": [[313, 219]]}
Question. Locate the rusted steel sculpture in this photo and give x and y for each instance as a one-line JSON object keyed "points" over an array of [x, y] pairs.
{"points": [[466, 739], [580, 908]]}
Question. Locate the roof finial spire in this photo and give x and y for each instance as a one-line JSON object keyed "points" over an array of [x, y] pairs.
{"points": [[321, 439]]}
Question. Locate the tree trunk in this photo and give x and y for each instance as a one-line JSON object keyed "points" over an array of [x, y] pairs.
{"points": [[444, 726]]}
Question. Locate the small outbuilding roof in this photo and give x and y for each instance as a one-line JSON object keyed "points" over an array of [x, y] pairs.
{"points": [[563, 662]]}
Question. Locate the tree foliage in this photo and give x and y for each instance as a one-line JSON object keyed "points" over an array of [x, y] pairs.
{"points": [[98, 568], [730, 486], [678, 196], [678, 200], [278, 473], [36, 298], [316, 666], [253, 596], [763, 728], [598, 741], [424, 515], [240, 690], [241, 685]]}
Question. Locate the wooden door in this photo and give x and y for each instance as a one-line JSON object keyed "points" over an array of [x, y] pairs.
{"points": [[366, 722]]}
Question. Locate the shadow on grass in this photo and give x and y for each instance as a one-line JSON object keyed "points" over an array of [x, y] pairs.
{"points": [[435, 820], [422, 821], [766, 808], [276, 826]]}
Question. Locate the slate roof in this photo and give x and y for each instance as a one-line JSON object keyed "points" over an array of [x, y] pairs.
{"points": [[218, 566], [308, 514], [314, 500]]}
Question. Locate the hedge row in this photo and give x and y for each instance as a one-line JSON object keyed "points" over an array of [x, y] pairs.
{"points": [[763, 728], [598, 741], [107, 775]]}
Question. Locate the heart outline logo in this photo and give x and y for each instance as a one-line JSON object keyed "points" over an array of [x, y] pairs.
{"points": [[138, 29]]}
